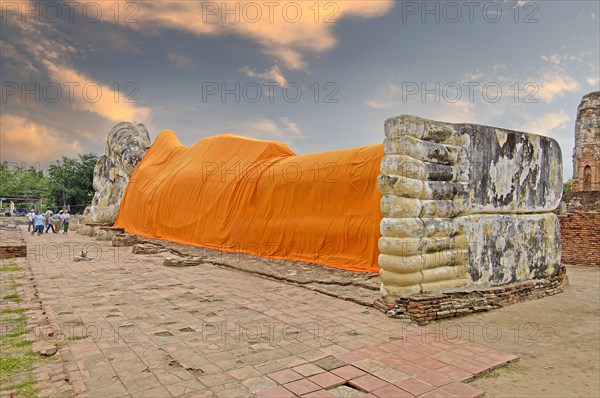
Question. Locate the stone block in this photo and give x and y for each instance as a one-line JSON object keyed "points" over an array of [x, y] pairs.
{"points": [[123, 240], [466, 207], [183, 262], [147, 248], [44, 348], [85, 230], [107, 233]]}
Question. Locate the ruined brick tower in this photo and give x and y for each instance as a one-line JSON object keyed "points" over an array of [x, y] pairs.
{"points": [[586, 155]]}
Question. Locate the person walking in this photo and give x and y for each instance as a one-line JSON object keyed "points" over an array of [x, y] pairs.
{"points": [[66, 219], [56, 221], [31, 224], [48, 216], [11, 208], [38, 219]]}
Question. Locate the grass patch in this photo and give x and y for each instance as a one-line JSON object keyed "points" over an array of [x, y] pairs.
{"points": [[9, 265], [13, 311], [25, 388], [75, 338], [11, 365], [15, 298], [23, 343], [16, 330], [10, 268], [18, 327], [17, 358], [492, 374], [19, 319]]}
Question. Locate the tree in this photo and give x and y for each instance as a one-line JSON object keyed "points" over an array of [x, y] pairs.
{"points": [[22, 181], [70, 182]]}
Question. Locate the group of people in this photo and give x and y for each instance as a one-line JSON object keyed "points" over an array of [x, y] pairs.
{"points": [[54, 222]]}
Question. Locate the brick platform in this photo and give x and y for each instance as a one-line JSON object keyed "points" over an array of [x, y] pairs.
{"points": [[428, 307], [12, 243], [580, 238]]}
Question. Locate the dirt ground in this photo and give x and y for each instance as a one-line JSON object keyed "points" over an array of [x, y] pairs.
{"points": [[557, 339]]}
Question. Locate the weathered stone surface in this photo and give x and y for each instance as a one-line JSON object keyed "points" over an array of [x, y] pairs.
{"points": [[44, 348], [183, 262], [512, 248], [586, 154], [84, 229], [91, 229], [107, 233], [103, 235], [122, 240], [466, 207], [513, 172], [126, 145], [147, 248]]}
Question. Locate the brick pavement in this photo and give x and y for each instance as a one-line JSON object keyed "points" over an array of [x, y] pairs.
{"points": [[155, 331]]}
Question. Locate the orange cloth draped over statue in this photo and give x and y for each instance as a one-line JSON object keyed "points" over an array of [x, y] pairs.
{"points": [[237, 194]]}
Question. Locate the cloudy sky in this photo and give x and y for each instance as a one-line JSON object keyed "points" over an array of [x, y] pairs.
{"points": [[316, 75]]}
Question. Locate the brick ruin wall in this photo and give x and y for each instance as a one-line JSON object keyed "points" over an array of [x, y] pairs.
{"points": [[579, 214], [580, 228], [580, 237], [11, 242]]}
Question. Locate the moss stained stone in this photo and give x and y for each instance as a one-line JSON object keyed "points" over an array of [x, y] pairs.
{"points": [[490, 191]]}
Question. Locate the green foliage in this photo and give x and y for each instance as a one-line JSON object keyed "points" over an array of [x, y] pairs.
{"points": [[70, 181], [17, 358], [9, 267], [15, 298], [22, 181], [65, 181], [26, 388], [12, 311], [75, 338], [13, 365], [567, 186]]}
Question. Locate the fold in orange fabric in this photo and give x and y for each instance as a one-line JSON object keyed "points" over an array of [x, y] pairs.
{"points": [[236, 194]]}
